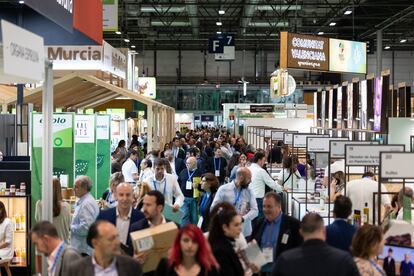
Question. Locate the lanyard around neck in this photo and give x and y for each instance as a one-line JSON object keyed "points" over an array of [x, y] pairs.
{"points": [[219, 164], [154, 182]]}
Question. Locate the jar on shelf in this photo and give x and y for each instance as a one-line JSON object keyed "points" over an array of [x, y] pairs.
{"points": [[23, 191], [7, 192], [12, 190]]}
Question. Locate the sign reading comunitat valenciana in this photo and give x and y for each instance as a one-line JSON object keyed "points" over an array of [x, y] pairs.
{"points": [[90, 57], [304, 52], [22, 59]]}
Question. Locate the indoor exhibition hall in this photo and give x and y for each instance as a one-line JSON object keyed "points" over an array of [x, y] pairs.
{"points": [[206, 137]]}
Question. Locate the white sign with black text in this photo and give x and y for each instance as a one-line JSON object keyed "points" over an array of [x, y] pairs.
{"points": [[320, 144], [338, 147], [367, 155], [23, 59], [397, 165]]}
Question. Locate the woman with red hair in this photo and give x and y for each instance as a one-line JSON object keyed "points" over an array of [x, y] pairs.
{"points": [[190, 255]]}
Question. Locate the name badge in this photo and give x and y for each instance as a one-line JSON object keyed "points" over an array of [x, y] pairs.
{"points": [[217, 173], [285, 238], [189, 185], [200, 222], [268, 254]]}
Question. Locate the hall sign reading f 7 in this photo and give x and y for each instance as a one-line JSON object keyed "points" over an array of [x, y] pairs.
{"points": [[217, 43]]}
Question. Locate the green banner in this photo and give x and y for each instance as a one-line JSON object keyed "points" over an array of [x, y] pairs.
{"points": [[103, 142], [85, 148]]}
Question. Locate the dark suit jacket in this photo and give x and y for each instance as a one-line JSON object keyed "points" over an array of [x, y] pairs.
{"points": [[389, 266], [181, 154], [223, 165], [315, 258], [110, 215], [125, 266], [339, 234], [182, 181], [289, 226], [179, 165], [227, 258], [66, 258]]}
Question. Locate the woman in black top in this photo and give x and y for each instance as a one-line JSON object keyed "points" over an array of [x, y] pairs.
{"points": [[225, 227], [189, 255]]}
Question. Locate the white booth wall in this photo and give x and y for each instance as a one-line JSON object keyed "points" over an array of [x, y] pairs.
{"points": [[299, 124], [184, 118], [400, 130]]}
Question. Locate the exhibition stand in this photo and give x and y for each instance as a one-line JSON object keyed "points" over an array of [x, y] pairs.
{"points": [[368, 158]]}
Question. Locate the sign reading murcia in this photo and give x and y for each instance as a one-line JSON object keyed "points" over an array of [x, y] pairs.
{"points": [[304, 52], [91, 57]]}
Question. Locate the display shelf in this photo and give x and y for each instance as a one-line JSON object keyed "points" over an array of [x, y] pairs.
{"points": [[18, 211]]}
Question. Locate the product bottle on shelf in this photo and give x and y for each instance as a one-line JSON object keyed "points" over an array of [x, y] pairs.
{"points": [[23, 222], [366, 214], [23, 256], [14, 259], [357, 218], [18, 256], [18, 222]]}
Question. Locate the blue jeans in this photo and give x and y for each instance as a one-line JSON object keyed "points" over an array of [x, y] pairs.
{"points": [[190, 211]]}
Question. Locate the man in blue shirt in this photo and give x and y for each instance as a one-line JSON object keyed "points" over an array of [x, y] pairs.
{"points": [[276, 232], [339, 234], [85, 214], [239, 194]]}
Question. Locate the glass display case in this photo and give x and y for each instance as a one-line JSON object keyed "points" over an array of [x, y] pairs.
{"points": [[17, 208]]}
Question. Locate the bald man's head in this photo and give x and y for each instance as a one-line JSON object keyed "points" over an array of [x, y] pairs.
{"points": [[124, 195], [243, 177], [191, 163]]}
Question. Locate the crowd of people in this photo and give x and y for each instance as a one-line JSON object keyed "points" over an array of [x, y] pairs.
{"points": [[229, 201]]}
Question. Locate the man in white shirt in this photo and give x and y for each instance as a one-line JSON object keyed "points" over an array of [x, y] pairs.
{"points": [[260, 178], [361, 192], [176, 164], [166, 184], [129, 168]]}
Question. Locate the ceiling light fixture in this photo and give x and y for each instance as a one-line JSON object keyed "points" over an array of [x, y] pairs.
{"points": [[221, 12], [118, 32], [387, 47], [348, 12], [218, 23], [126, 40], [218, 32], [320, 33], [332, 24], [21, 2], [403, 40], [132, 46]]}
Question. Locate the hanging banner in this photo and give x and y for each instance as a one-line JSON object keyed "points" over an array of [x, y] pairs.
{"points": [[63, 151], [323, 109], [339, 108], [330, 108], [347, 56], [85, 148], [59, 11], [350, 105], [364, 97], [23, 59], [110, 15], [103, 156], [377, 103], [114, 61]]}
